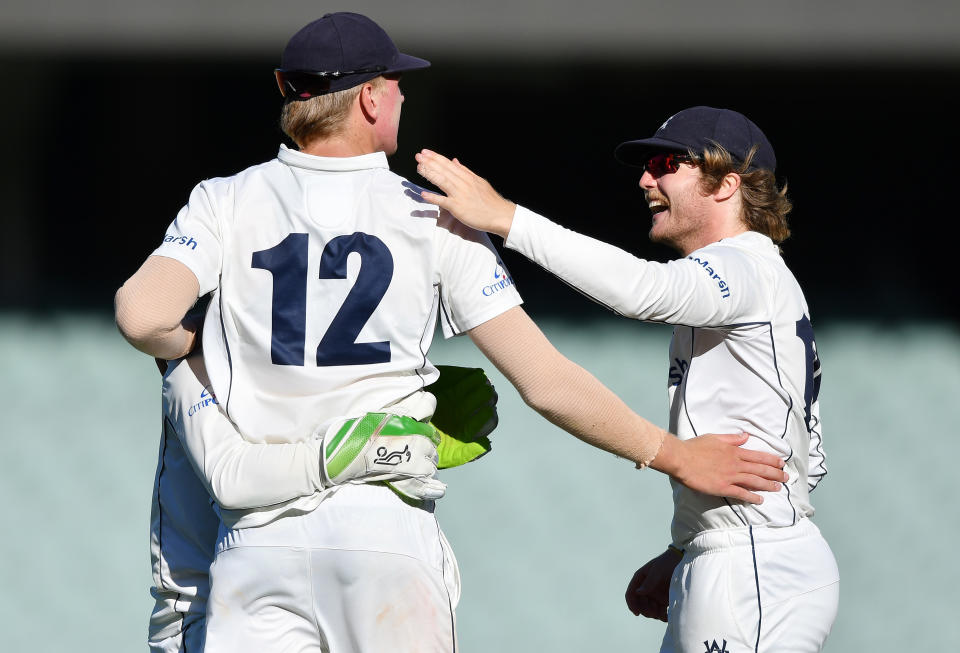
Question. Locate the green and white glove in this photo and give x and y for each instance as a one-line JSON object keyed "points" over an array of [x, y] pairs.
{"points": [[385, 447], [466, 414]]}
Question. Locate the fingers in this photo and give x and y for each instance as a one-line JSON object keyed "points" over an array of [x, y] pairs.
{"points": [[434, 198], [760, 463], [767, 465], [645, 600], [435, 175], [736, 439], [740, 494], [441, 171], [757, 483], [773, 475], [634, 600]]}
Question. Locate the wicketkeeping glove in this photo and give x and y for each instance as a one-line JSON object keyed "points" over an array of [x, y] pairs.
{"points": [[385, 447], [466, 414]]}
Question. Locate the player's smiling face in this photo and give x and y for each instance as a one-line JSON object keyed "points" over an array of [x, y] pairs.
{"points": [[679, 208]]}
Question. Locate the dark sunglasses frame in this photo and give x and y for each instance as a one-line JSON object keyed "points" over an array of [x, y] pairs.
{"points": [[663, 163], [306, 83]]}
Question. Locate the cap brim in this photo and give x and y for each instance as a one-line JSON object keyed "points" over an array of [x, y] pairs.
{"points": [[406, 62], [636, 153]]}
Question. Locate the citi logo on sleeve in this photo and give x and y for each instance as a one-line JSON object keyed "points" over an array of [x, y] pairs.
{"points": [[714, 648], [501, 280], [207, 398], [180, 240]]}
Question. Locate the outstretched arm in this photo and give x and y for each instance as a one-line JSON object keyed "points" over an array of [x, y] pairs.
{"points": [[570, 397], [685, 291]]}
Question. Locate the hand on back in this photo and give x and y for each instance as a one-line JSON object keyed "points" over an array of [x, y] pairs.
{"points": [[469, 198]]}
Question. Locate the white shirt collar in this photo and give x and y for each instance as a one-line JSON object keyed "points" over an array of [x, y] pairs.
{"points": [[332, 163]]}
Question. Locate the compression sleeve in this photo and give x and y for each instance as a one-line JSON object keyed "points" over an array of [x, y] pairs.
{"points": [[151, 305], [562, 391], [684, 291], [238, 474]]}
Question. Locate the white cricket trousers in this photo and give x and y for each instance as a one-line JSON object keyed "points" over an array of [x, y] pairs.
{"points": [[295, 586], [765, 590]]}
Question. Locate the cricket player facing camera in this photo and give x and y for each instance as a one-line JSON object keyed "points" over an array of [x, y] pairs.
{"points": [[737, 576], [328, 274]]}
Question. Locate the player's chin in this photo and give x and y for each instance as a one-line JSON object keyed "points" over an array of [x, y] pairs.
{"points": [[658, 227]]}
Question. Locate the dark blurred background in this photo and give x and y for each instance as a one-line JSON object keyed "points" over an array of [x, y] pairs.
{"points": [[111, 117]]}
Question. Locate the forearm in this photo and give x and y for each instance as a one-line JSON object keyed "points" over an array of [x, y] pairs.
{"points": [[572, 399], [150, 308], [678, 292], [244, 475], [238, 474], [607, 274], [563, 392]]}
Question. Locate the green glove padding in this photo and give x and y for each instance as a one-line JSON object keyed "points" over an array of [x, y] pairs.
{"points": [[466, 414], [399, 451]]}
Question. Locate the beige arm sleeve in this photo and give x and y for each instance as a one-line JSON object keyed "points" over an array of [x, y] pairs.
{"points": [[151, 305], [562, 391]]}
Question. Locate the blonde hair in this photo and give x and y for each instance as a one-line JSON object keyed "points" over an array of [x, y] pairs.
{"points": [[764, 207], [321, 116]]}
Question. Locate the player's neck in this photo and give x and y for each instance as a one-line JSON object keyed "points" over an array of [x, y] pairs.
{"points": [[711, 232], [338, 147], [354, 139]]}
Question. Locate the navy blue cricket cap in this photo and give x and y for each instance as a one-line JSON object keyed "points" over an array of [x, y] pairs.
{"points": [[698, 128], [337, 52]]}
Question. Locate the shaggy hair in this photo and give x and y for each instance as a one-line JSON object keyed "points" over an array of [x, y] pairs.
{"points": [[764, 206]]}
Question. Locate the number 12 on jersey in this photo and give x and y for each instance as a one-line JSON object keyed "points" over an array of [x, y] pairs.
{"points": [[287, 263]]}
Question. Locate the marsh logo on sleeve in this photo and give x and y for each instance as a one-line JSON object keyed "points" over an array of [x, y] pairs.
{"points": [[721, 284], [180, 240]]}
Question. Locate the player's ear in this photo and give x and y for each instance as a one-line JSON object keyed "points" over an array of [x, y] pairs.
{"points": [[369, 102], [729, 185]]}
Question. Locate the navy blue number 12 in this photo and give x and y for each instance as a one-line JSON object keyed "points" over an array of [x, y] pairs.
{"points": [[287, 262]]}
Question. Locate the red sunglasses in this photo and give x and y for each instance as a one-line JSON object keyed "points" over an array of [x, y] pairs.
{"points": [[665, 163]]}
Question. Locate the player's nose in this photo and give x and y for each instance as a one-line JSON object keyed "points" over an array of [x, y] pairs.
{"points": [[647, 181]]}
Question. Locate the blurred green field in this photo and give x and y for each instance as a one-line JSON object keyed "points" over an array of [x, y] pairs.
{"points": [[547, 530]]}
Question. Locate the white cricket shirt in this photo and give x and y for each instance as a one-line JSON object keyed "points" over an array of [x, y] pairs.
{"points": [[742, 358], [328, 276]]}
